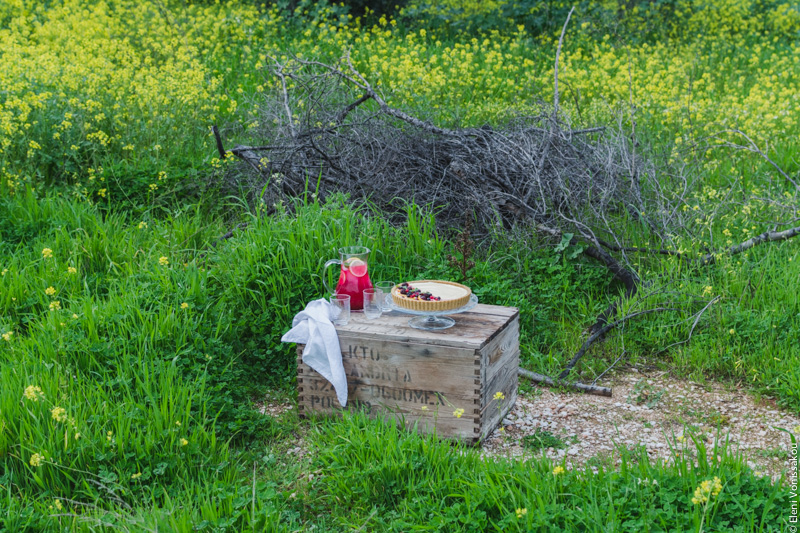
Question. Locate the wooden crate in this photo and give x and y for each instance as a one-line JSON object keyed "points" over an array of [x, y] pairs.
{"points": [[423, 377]]}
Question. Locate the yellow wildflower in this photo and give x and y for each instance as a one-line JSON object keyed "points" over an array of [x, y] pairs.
{"points": [[137, 475], [57, 504], [706, 489], [7, 336], [521, 512], [142, 225], [184, 305], [109, 436], [59, 414], [72, 270], [50, 291], [424, 407], [74, 315], [558, 470], [681, 438], [33, 393], [153, 187], [36, 459], [163, 261], [55, 306], [3, 273], [47, 253], [796, 430], [731, 331], [101, 193], [184, 442], [707, 290], [458, 413], [177, 422], [717, 486], [499, 396]]}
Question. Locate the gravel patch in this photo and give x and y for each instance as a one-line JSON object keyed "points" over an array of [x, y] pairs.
{"points": [[658, 412]]}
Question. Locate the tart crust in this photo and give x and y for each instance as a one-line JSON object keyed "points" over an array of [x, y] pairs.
{"points": [[431, 305]]}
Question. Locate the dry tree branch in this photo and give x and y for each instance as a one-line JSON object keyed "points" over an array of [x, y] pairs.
{"points": [[698, 316], [753, 148], [558, 54], [278, 71], [581, 387], [602, 331], [767, 236]]}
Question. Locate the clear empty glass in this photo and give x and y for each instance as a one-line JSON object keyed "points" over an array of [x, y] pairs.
{"points": [[340, 309], [386, 288], [372, 303]]}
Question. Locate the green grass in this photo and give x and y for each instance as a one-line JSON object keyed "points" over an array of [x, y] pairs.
{"points": [[541, 439], [385, 480]]}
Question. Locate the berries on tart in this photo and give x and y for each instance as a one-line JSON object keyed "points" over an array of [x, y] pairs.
{"points": [[431, 295]]}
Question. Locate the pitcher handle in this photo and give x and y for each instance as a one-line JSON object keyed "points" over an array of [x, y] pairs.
{"points": [[325, 278]]}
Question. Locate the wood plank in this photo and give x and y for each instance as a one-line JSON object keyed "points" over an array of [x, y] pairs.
{"points": [[499, 349], [318, 396], [464, 428], [498, 310], [492, 416], [505, 379], [318, 393], [410, 366], [472, 329]]}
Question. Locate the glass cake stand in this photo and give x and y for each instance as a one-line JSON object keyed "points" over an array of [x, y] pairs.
{"points": [[429, 320]]}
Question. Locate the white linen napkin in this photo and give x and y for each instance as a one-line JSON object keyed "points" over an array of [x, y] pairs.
{"points": [[313, 327]]}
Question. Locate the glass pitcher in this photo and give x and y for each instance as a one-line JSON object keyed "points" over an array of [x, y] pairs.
{"points": [[354, 276]]}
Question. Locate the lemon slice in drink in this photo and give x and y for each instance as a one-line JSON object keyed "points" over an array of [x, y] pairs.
{"points": [[357, 267]]}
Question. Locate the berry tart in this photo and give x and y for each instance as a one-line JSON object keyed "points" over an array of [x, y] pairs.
{"points": [[431, 295]]}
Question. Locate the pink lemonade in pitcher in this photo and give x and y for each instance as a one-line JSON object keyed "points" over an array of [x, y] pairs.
{"points": [[353, 276]]}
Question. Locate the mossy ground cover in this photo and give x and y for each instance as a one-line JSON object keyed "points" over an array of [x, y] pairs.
{"points": [[134, 342]]}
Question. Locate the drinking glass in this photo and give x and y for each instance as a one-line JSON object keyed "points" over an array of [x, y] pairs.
{"points": [[372, 303], [340, 309], [386, 289]]}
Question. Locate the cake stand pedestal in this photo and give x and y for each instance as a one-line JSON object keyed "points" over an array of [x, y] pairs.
{"points": [[431, 320]]}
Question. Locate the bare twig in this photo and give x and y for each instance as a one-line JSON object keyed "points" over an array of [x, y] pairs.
{"points": [[602, 331], [218, 139], [767, 236], [582, 387], [607, 370], [753, 147], [558, 54], [279, 72], [694, 325]]}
